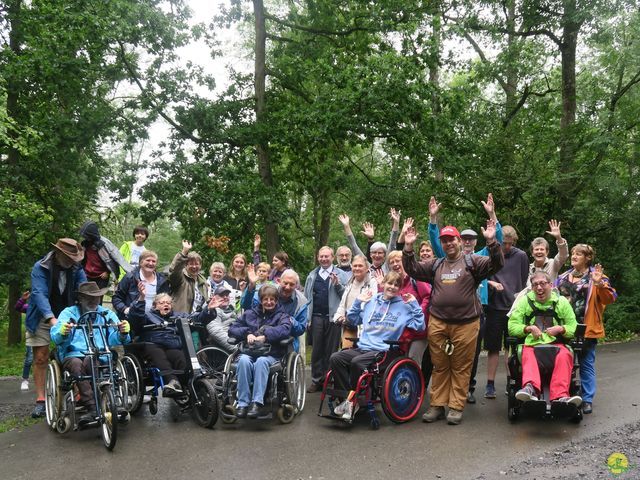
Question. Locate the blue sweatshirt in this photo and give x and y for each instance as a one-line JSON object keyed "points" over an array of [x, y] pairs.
{"points": [[384, 320]]}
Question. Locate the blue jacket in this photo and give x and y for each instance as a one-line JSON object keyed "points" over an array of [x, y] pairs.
{"points": [[39, 306], [275, 326], [74, 344], [297, 307], [127, 292], [434, 237], [384, 320], [168, 337]]}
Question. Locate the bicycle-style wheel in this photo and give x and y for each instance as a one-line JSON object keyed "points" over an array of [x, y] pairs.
{"points": [[108, 417]]}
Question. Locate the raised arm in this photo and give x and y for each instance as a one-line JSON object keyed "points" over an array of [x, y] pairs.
{"points": [[434, 231], [346, 225]]}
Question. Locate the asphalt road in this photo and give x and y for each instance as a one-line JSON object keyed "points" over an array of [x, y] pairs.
{"points": [[484, 446]]}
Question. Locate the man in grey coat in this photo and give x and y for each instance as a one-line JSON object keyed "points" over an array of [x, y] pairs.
{"points": [[323, 289]]}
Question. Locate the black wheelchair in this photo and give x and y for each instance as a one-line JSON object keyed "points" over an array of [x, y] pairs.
{"points": [[198, 380], [108, 380], [393, 380], [286, 391], [543, 407]]}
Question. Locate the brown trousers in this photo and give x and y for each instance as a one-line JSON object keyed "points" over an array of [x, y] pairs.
{"points": [[451, 373]]}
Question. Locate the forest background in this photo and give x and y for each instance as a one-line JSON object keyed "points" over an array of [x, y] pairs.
{"points": [[351, 107]]}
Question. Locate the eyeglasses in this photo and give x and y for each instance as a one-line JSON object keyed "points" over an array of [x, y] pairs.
{"points": [[163, 302], [539, 284]]}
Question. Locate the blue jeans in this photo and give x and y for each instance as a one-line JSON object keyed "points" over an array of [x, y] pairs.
{"points": [[588, 369], [253, 371], [28, 360]]}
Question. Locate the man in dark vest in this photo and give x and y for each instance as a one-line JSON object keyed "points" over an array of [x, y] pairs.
{"points": [[54, 280], [323, 289]]}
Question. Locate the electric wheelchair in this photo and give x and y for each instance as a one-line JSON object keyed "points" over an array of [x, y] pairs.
{"points": [[543, 407], [108, 381], [286, 391], [198, 379], [393, 380]]}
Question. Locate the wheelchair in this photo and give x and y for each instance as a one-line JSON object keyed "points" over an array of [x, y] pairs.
{"points": [[198, 380], [393, 380], [543, 408], [286, 390], [108, 381]]}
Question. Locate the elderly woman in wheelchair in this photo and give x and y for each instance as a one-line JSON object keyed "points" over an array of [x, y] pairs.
{"points": [[261, 329], [384, 317], [545, 320]]}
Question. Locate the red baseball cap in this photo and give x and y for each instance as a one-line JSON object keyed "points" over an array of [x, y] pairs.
{"points": [[449, 231]]}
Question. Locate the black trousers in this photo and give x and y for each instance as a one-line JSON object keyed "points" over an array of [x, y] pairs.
{"points": [[80, 367], [166, 360], [326, 339], [348, 365], [474, 369]]}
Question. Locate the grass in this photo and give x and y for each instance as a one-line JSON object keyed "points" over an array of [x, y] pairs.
{"points": [[17, 423], [11, 358]]}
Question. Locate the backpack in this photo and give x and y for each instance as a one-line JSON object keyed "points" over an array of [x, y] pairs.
{"points": [[469, 266]]}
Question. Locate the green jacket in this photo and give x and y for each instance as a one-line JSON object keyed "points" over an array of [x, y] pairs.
{"points": [[125, 250], [519, 319]]}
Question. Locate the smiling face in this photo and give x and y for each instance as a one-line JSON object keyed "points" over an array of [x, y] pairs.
{"points": [[426, 252], [217, 274], [579, 260], [277, 263], [268, 303], [238, 264], [139, 238], [193, 267], [377, 257], [451, 246], [163, 305], [344, 256], [325, 257], [469, 244], [539, 253], [359, 269], [395, 264], [148, 264], [541, 287], [287, 285], [390, 290]]}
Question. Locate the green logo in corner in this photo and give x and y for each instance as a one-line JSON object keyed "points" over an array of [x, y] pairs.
{"points": [[618, 463]]}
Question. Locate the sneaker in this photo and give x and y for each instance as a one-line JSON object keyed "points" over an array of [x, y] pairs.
{"points": [[470, 397], [454, 417], [575, 400], [39, 410], [24, 385], [587, 408], [527, 394], [490, 391], [350, 410], [433, 414], [340, 408]]}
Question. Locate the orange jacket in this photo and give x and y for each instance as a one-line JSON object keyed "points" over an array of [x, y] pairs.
{"points": [[598, 297]]}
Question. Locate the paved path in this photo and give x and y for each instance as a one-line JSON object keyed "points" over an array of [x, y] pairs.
{"points": [[485, 445]]}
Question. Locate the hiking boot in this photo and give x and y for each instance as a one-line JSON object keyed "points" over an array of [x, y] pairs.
{"points": [[527, 393], [470, 397], [39, 410], [575, 400], [433, 414], [490, 391], [454, 417]]}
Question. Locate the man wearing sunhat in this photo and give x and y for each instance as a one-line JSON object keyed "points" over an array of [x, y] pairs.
{"points": [[54, 281], [72, 348]]}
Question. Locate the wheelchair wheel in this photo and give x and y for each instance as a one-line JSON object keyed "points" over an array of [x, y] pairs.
{"points": [[513, 406], [121, 387], [402, 390], [295, 382], [205, 405], [134, 382], [228, 414], [53, 394], [108, 417], [213, 360], [286, 413]]}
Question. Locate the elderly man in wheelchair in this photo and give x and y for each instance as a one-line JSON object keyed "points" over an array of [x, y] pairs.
{"points": [[72, 346], [383, 317], [545, 320]]}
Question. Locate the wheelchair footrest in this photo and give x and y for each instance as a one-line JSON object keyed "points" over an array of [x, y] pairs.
{"points": [[535, 407], [563, 409]]}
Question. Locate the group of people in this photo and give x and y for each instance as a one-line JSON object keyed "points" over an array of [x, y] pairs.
{"points": [[442, 298]]}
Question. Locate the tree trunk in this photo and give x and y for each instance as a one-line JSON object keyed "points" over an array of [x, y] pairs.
{"points": [[262, 148], [14, 334]]}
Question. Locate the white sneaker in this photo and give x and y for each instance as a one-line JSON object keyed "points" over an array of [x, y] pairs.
{"points": [[339, 409], [24, 386], [350, 410]]}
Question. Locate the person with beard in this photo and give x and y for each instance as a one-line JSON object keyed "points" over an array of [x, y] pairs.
{"points": [[72, 348], [54, 280], [101, 257], [343, 253]]}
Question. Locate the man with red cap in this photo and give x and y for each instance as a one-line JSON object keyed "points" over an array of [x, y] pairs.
{"points": [[454, 314], [54, 281]]}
